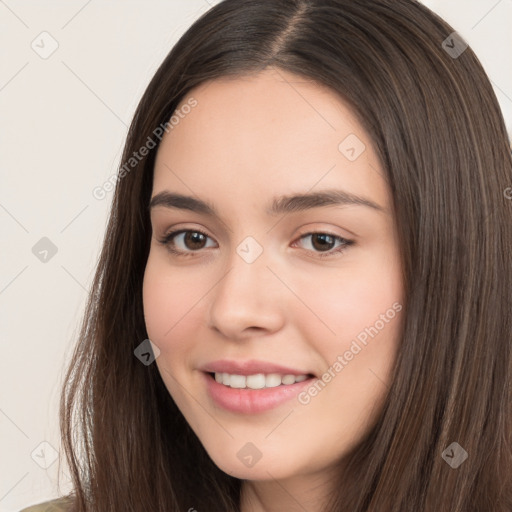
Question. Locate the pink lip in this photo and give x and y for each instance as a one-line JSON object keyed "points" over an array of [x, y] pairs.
{"points": [[252, 401], [250, 367]]}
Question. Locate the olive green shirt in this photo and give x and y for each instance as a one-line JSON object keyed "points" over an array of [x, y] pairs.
{"points": [[57, 505]]}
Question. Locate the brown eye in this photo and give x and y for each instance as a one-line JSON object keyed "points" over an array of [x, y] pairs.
{"points": [[192, 240], [324, 243]]}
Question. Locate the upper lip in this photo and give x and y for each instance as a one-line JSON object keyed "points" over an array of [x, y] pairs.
{"points": [[250, 367]]}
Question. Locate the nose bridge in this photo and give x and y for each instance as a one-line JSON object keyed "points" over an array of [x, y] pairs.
{"points": [[247, 271], [243, 296]]}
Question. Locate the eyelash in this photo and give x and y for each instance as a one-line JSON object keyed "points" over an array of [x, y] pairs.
{"points": [[166, 241]]}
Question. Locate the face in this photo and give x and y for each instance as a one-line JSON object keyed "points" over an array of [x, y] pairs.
{"points": [[264, 289]]}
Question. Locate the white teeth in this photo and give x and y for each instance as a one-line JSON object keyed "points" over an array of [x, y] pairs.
{"points": [[237, 381], [272, 380], [288, 379], [258, 380]]}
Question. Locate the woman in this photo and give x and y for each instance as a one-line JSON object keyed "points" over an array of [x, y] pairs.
{"points": [[284, 373]]}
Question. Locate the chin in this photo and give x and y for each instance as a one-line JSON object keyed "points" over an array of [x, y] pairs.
{"points": [[235, 461]]}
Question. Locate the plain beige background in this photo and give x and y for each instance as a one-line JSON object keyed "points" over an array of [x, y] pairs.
{"points": [[64, 117]]}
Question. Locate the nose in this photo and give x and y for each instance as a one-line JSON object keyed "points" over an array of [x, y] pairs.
{"points": [[248, 299]]}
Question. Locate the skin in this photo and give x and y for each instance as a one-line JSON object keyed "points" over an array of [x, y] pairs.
{"points": [[247, 141]]}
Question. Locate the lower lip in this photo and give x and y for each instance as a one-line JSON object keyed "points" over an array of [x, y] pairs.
{"points": [[252, 401]]}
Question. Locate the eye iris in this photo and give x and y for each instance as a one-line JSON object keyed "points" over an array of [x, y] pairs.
{"points": [[195, 237], [323, 245]]}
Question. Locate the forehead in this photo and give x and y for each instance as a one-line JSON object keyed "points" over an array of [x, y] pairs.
{"points": [[266, 133]]}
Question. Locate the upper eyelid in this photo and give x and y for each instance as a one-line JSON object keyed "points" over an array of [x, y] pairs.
{"points": [[154, 224], [345, 243], [179, 231]]}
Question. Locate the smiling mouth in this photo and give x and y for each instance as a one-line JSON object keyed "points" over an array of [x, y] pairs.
{"points": [[258, 380], [238, 397]]}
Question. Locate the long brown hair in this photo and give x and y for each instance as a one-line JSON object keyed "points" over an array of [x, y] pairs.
{"points": [[440, 135]]}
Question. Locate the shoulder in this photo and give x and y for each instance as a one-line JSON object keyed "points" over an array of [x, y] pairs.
{"points": [[58, 505]]}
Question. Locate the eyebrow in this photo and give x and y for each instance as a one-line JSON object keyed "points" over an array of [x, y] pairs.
{"points": [[279, 205]]}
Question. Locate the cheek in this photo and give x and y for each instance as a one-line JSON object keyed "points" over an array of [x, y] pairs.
{"points": [[349, 300], [170, 304]]}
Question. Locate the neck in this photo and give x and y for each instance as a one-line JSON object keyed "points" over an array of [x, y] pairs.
{"points": [[294, 494]]}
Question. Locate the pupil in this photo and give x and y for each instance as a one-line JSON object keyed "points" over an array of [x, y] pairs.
{"points": [[322, 237], [195, 238]]}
